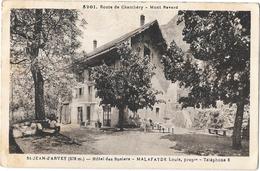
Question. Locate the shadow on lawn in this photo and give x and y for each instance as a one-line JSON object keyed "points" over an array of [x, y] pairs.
{"points": [[206, 145], [71, 141], [56, 144], [91, 134], [13, 146]]}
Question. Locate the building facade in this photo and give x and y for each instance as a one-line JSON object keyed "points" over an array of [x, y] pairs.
{"points": [[147, 40]]}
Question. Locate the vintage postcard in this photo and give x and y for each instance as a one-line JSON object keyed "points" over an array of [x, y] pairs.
{"points": [[128, 84]]}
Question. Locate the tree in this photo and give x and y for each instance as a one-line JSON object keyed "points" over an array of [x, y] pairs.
{"points": [[126, 85], [43, 42], [220, 40]]}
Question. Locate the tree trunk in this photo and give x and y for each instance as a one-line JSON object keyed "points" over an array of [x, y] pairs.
{"points": [[39, 93], [236, 140], [33, 50], [121, 118], [135, 114]]}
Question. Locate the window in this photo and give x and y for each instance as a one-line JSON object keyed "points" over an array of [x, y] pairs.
{"points": [[178, 96], [80, 91], [89, 75], [117, 64], [147, 51], [157, 110], [89, 90], [81, 77], [88, 113], [106, 115], [90, 93], [80, 115]]}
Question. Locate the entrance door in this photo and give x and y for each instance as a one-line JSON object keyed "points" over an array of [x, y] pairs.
{"points": [[88, 113], [106, 115], [65, 114], [80, 115]]}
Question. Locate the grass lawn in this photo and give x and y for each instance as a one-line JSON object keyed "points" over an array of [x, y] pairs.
{"points": [[204, 145], [92, 141], [72, 141], [53, 145]]}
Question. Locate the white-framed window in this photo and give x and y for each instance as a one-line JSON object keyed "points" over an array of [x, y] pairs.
{"points": [[147, 51], [81, 91], [80, 115], [89, 90], [157, 111]]}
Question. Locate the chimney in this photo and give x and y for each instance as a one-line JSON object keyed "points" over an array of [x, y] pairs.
{"points": [[94, 44], [142, 20]]}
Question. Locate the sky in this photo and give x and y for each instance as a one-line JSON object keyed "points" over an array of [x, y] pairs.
{"points": [[108, 25]]}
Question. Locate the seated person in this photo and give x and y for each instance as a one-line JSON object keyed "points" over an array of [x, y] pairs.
{"points": [[53, 123]]}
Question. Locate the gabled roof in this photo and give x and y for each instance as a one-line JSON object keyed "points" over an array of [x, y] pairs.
{"points": [[113, 44]]}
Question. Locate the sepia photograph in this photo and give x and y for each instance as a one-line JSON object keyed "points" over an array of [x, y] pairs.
{"points": [[130, 79]]}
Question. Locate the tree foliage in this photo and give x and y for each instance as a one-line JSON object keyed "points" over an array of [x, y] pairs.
{"points": [[220, 41], [128, 84], [181, 67], [43, 41]]}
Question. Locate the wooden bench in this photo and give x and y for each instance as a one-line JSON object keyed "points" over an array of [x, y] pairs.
{"points": [[218, 131]]}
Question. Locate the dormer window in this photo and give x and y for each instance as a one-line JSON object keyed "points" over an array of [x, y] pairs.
{"points": [[117, 64], [147, 51]]}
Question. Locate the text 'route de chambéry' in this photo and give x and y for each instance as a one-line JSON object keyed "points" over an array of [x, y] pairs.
{"points": [[136, 7]]}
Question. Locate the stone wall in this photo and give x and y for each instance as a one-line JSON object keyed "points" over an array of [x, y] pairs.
{"points": [[24, 129]]}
